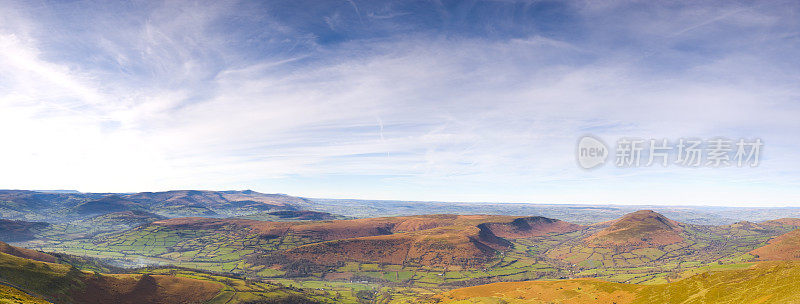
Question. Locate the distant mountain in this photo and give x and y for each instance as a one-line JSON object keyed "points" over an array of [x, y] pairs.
{"points": [[294, 215], [38, 206], [794, 222], [111, 222], [213, 203], [575, 213], [108, 204], [58, 207], [17, 231], [644, 228], [132, 217], [58, 191], [530, 226]]}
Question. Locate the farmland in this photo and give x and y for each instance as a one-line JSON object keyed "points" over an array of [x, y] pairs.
{"points": [[265, 252], [241, 250]]}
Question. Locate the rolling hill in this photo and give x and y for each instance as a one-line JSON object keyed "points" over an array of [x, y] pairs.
{"points": [[441, 246], [648, 239], [318, 250], [23, 280], [455, 242], [440, 240], [63, 284], [429, 240]]}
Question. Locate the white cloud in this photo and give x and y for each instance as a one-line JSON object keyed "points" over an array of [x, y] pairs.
{"points": [[419, 116]]}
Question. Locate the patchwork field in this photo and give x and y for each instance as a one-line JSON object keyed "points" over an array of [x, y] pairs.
{"points": [[407, 259]]}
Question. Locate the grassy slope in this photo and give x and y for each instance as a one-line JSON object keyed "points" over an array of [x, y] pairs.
{"points": [[63, 284], [768, 282], [784, 247], [10, 295], [53, 280], [26, 253], [237, 290]]}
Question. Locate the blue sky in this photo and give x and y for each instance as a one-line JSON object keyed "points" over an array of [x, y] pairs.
{"points": [[407, 100]]}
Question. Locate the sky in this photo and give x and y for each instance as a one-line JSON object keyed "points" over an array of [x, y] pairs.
{"points": [[471, 101]]}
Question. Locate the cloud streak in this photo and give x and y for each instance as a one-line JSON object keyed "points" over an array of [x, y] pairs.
{"points": [[472, 103]]}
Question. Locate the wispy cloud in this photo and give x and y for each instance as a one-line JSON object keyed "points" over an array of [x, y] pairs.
{"points": [[394, 100]]}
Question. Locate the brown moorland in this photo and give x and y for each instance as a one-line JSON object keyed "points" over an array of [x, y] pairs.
{"points": [[442, 239], [783, 247], [442, 246], [155, 289], [644, 228]]}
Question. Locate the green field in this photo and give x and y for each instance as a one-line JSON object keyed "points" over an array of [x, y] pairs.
{"points": [[554, 256]]}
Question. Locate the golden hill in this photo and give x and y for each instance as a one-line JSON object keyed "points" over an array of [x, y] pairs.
{"points": [[134, 289], [10, 295], [644, 228], [63, 284], [783, 247], [766, 282]]}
